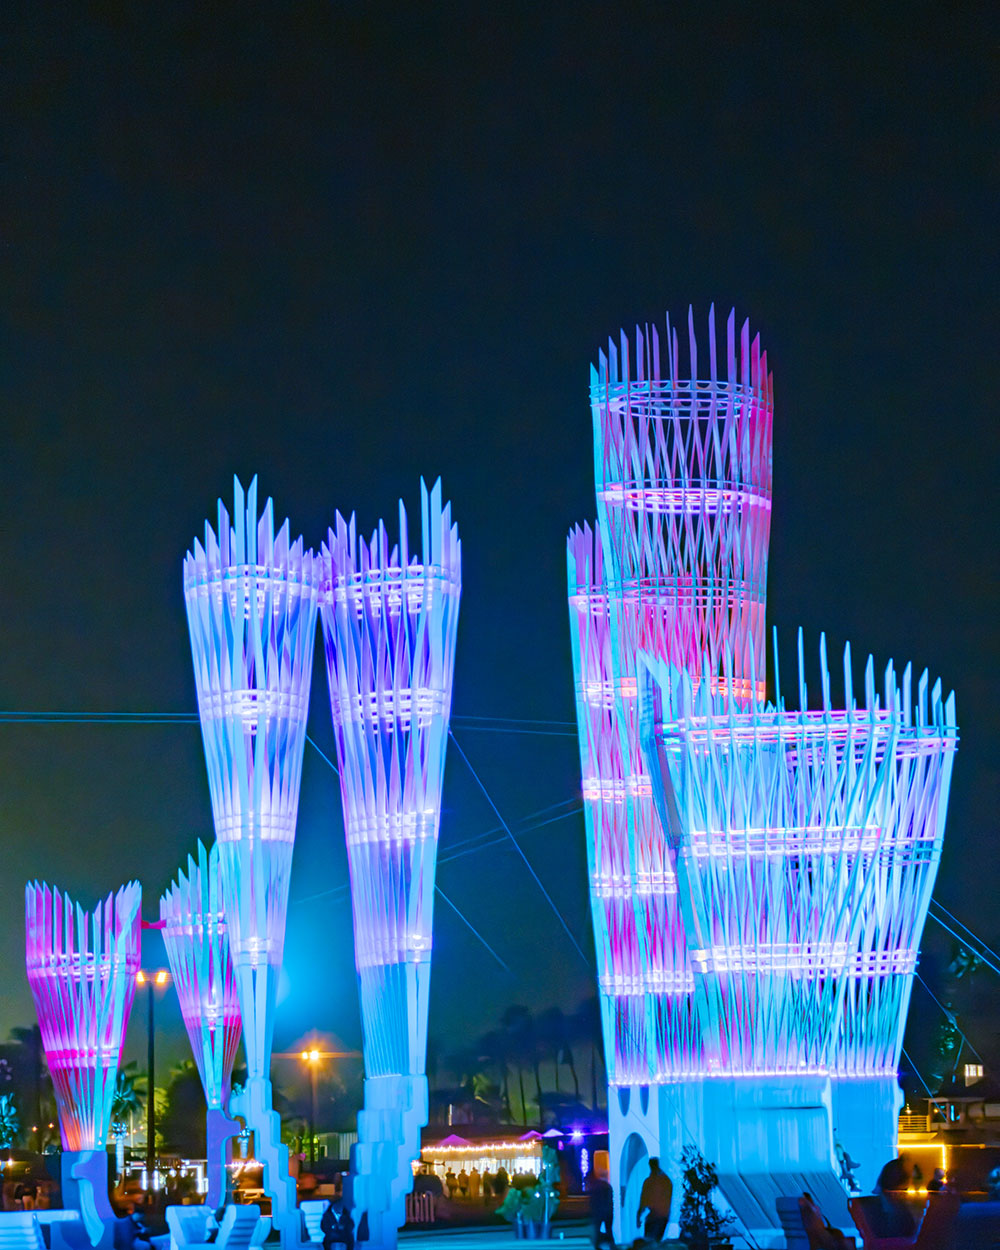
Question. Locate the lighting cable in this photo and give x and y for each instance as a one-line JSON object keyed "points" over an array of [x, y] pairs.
{"points": [[951, 916], [535, 876]]}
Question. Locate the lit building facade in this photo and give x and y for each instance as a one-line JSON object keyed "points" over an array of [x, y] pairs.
{"points": [[390, 617], [197, 944], [798, 849], [81, 969], [251, 598]]}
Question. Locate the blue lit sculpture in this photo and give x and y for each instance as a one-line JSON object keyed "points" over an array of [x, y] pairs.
{"points": [[759, 877], [251, 597], [197, 942], [81, 969], [390, 618]]}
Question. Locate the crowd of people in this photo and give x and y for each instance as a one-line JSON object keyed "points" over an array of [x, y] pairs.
{"points": [[471, 1186]]}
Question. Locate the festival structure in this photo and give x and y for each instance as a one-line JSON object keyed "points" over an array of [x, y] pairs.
{"points": [[251, 597], [197, 943], [759, 877], [82, 968], [390, 617]]}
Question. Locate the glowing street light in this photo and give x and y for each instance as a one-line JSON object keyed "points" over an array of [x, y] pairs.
{"points": [[158, 979]]}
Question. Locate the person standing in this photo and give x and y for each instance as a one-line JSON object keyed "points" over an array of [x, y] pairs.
{"points": [[602, 1210], [656, 1197]]}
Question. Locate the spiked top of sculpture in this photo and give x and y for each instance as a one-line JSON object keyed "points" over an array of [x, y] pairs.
{"points": [[807, 847], [390, 617], [197, 942], [683, 477], [251, 597], [81, 970], [644, 972]]}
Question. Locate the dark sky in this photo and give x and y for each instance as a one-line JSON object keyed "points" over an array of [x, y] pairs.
{"points": [[343, 245]]}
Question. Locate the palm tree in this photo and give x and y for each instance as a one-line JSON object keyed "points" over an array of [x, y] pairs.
{"points": [[494, 1053], [30, 1064], [519, 1027], [10, 1122], [554, 1032]]}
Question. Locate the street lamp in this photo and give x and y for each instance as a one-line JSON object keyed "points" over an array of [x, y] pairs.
{"points": [[312, 1058], [155, 979]]}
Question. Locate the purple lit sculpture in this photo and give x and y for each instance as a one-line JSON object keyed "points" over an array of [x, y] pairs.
{"points": [[81, 969], [759, 877], [197, 944], [251, 607], [389, 619]]}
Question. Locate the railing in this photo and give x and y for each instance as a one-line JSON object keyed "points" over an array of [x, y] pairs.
{"points": [[420, 1208]]}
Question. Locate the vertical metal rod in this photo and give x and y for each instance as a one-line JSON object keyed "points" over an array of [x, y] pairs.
{"points": [[151, 1088]]}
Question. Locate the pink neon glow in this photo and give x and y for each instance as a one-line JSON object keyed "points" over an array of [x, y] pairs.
{"points": [[803, 933], [197, 942], [81, 970]]}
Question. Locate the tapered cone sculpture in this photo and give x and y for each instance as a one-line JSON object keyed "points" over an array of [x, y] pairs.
{"points": [[251, 604], [197, 942], [389, 621], [81, 969]]}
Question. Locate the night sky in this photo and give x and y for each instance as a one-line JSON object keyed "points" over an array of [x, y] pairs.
{"points": [[344, 245]]}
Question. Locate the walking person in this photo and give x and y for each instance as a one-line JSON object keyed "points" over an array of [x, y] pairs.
{"points": [[602, 1210], [656, 1197]]}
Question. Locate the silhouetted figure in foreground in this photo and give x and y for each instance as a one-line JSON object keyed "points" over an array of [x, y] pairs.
{"points": [[892, 1216], [337, 1226], [602, 1210], [656, 1197], [822, 1235]]}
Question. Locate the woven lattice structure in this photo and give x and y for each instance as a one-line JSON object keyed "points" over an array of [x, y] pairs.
{"points": [[251, 597], [81, 969], [197, 942], [807, 845], [682, 466], [390, 617], [644, 971]]}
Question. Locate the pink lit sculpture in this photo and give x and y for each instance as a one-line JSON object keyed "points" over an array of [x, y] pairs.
{"points": [[390, 616], [81, 969], [682, 465], [759, 878], [197, 943], [644, 974], [251, 605]]}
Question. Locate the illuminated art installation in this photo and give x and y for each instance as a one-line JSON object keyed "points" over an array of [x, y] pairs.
{"points": [[197, 944], [251, 605], [759, 877], [81, 968], [390, 618], [644, 971]]}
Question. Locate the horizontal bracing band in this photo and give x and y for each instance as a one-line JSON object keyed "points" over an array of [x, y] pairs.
{"points": [[253, 706], [390, 705], [246, 827], [804, 840], [649, 981], [690, 499], [804, 959]]}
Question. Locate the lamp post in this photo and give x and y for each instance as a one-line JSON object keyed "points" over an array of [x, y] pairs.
{"points": [[151, 980], [312, 1058]]}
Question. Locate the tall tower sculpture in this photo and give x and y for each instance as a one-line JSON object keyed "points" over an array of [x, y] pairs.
{"points": [[798, 849], [197, 942], [677, 567], [644, 973], [390, 618], [251, 597], [81, 970]]}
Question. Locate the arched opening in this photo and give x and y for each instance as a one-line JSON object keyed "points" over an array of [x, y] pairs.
{"points": [[633, 1171]]}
